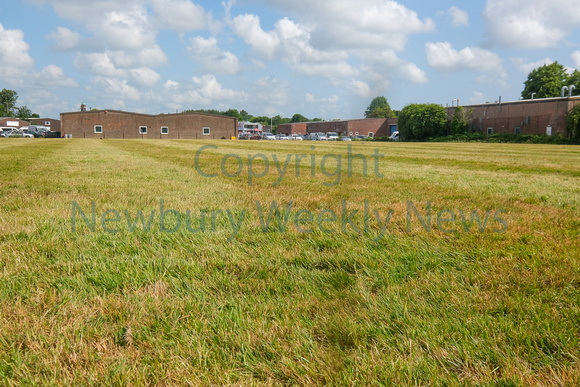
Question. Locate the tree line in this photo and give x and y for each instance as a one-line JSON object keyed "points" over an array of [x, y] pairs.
{"points": [[8, 100]]}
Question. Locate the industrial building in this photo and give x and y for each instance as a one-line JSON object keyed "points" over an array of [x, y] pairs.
{"points": [[120, 124], [530, 116], [372, 127]]}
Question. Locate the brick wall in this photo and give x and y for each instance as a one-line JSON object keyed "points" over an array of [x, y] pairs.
{"points": [[118, 124]]}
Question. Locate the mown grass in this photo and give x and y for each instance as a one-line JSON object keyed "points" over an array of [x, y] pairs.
{"points": [[270, 307]]}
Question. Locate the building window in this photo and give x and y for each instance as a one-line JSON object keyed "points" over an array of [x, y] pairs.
{"points": [[356, 133], [142, 130], [164, 130], [206, 131], [518, 130], [350, 133], [98, 128], [46, 123], [371, 134], [489, 130]]}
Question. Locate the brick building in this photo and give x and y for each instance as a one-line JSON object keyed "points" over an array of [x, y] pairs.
{"points": [[120, 124], [537, 116], [373, 127], [13, 122], [51, 123]]}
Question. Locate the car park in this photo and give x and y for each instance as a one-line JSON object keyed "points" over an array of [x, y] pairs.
{"points": [[18, 133], [332, 136]]}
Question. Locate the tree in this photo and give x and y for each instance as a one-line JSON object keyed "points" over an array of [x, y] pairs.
{"points": [[574, 79], [546, 81], [24, 113], [573, 123], [298, 118], [379, 108], [460, 121], [8, 99], [421, 121]]}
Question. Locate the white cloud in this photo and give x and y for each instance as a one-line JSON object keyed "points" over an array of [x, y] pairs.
{"points": [[360, 88], [144, 77], [53, 76], [16, 62], [442, 56], [310, 98], [354, 24], [64, 39], [410, 72], [459, 17], [576, 58], [117, 88], [248, 28], [212, 58], [526, 68], [208, 87], [530, 23], [180, 15]]}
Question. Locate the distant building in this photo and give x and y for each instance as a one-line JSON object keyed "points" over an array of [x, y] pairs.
{"points": [[120, 124], [13, 122], [537, 116], [51, 123], [247, 128], [372, 127]]}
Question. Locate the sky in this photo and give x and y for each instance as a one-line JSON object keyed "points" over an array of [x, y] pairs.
{"points": [[321, 58]]}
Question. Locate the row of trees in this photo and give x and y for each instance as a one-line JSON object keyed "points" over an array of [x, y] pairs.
{"points": [[8, 108], [243, 115]]}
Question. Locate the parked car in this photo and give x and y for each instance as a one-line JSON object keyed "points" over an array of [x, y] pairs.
{"points": [[319, 136], [18, 133], [394, 136], [268, 136], [296, 137], [346, 138], [37, 130], [332, 136], [281, 137], [5, 130]]}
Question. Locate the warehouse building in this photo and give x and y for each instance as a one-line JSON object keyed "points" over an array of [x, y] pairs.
{"points": [[119, 124], [530, 116], [372, 127]]}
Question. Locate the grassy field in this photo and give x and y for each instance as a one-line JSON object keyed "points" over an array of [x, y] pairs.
{"points": [[166, 263]]}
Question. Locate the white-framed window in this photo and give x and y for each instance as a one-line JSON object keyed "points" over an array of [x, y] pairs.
{"points": [[206, 131], [98, 128], [164, 130], [350, 133], [356, 133], [489, 130], [371, 134], [46, 123], [142, 130]]}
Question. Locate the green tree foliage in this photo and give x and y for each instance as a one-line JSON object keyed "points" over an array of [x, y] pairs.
{"points": [[573, 123], [546, 81], [460, 121], [8, 99], [379, 108], [299, 118], [24, 113], [422, 121]]}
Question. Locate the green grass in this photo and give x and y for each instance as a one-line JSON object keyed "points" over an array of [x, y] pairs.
{"points": [[269, 307]]}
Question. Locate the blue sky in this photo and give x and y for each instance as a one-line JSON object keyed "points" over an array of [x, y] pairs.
{"points": [[319, 58]]}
